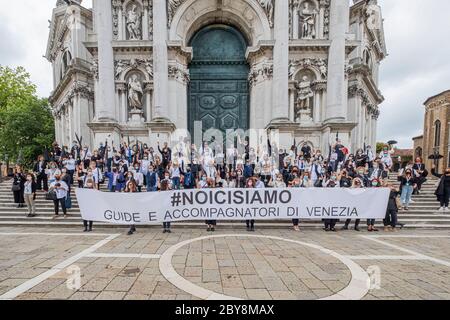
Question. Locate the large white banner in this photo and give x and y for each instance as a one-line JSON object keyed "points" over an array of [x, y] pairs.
{"points": [[232, 204]]}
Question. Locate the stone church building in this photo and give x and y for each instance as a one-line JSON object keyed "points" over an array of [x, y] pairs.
{"points": [[148, 70]]}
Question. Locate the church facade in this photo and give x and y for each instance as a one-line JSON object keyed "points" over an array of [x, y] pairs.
{"points": [[155, 70]]}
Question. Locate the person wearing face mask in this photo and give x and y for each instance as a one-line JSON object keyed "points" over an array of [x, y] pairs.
{"points": [[376, 172], [90, 184], [421, 173], [138, 177], [70, 165], [203, 182], [152, 179], [279, 183], [371, 222], [175, 173], [166, 187], [29, 188], [443, 190], [361, 158], [18, 187], [188, 179], [408, 184], [344, 180], [167, 178], [370, 156], [357, 183], [39, 169], [52, 172], [332, 182], [361, 174], [60, 188], [210, 183], [385, 158], [250, 223], [390, 220], [306, 181], [131, 188]]}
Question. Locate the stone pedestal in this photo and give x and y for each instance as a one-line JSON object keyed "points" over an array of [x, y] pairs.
{"points": [[304, 117], [136, 118]]}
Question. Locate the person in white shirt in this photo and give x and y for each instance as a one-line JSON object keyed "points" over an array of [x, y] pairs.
{"points": [[52, 172], [70, 165], [138, 177], [60, 188]]}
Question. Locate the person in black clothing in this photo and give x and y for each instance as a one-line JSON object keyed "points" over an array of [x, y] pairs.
{"points": [[18, 187], [166, 154], [443, 190], [357, 183], [250, 223], [361, 158], [306, 150], [166, 187], [39, 170], [390, 221], [420, 173]]}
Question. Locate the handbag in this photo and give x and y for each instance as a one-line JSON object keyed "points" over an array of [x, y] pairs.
{"points": [[51, 195], [16, 187]]}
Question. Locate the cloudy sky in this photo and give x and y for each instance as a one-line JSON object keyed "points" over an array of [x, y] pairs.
{"points": [[417, 35]]}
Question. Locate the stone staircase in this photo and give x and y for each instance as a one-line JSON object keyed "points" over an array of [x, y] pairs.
{"points": [[422, 214]]}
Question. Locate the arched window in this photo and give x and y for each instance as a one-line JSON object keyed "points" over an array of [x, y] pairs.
{"points": [[437, 133]]}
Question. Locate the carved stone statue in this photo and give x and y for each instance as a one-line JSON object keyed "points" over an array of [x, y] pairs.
{"points": [[304, 95], [135, 93], [308, 21], [149, 68], [120, 67], [267, 5], [172, 6], [134, 23]]}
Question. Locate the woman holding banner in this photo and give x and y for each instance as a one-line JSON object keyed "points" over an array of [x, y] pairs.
{"points": [[357, 183], [250, 223], [165, 186], [131, 187], [210, 183], [371, 222], [90, 184]]}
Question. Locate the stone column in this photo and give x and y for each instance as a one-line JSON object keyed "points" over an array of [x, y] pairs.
{"points": [[145, 23], [105, 110], [337, 92], [280, 109], [120, 23], [291, 104], [295, 22], [148, 101], [160, 61]]}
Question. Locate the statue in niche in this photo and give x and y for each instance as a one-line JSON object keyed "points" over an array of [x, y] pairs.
{"points": [[308, 21], [134, 23], [149, 68], [135, 93], [304, 95]]}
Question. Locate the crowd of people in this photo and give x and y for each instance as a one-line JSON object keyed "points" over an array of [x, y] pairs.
{"points": [[140, 168]]}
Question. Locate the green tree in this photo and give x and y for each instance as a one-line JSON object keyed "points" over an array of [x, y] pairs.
{"points": [[380, 146], [26, 121]]}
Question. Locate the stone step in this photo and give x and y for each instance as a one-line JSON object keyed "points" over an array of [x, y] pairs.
{"points": [[224, 226]]}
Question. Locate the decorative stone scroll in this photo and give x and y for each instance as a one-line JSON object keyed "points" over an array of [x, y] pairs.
{"points": [[260, 72], [180, 73], [318, 64], [122, 65]]}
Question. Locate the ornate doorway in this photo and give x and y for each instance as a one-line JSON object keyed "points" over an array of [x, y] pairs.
{"points": [[219, 89]]}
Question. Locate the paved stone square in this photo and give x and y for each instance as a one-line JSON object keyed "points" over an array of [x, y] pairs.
{"points": [[51, 263]]}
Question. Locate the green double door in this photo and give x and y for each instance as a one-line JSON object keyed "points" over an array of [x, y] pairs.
{"points": [[219, 89]]}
